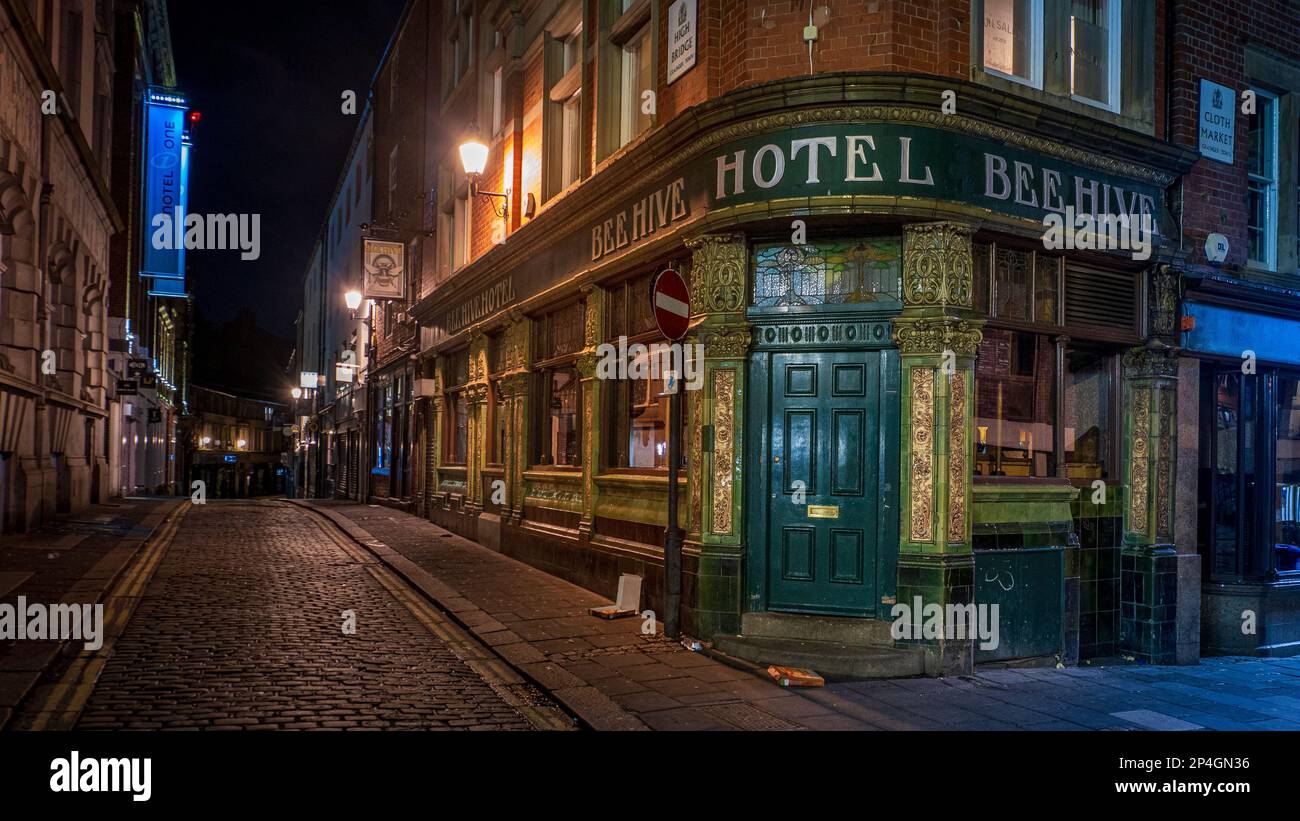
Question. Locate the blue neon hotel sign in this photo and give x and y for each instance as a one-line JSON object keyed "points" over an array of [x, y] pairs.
{"points": [[166, 181]]}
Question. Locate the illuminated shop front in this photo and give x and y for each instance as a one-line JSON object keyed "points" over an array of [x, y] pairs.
{"points": [[903, 393], [1248, 471]]}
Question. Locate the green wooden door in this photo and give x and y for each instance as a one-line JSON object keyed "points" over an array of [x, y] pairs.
{"points": [[823, 483]]}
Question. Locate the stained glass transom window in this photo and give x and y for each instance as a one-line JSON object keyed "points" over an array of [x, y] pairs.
{"points": [[828, 273]]}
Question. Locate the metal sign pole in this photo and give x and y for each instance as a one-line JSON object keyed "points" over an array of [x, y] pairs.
{"points": [[673, 534]]}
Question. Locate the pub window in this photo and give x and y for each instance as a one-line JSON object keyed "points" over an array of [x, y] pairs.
{"points": [[1013, 32], [1015, 381], [457, 375], [459, 53], [1261, 188], [1020, 428], [499, 420], [638, 437], [1096, 52], [1086, 401], [1016, 285], [559, 392], [563, 113], [828, 273], [498, 91], [627, 72]]}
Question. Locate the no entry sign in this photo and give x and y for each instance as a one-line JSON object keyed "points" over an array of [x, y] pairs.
{"points": [[672, 304]]}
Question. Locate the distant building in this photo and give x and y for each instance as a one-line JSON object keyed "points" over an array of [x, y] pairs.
{"points": [[234, 445]]}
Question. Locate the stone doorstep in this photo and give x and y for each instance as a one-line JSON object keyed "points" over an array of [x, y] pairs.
{"points": [[592, 707], [22, 676], [827, 658]]}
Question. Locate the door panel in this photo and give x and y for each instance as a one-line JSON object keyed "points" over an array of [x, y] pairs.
{"points": [[825, 434]]}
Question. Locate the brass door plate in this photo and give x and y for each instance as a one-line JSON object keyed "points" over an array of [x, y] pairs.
{"points": [[823, 511]]}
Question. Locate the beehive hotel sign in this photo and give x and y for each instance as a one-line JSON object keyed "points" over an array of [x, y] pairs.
{"points": [[883, 159]]}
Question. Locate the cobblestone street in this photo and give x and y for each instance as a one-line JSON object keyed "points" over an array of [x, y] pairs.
{"points": [[240, 628]]}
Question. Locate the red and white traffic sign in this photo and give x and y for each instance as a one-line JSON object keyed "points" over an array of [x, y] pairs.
{"points": [[672, 304]]}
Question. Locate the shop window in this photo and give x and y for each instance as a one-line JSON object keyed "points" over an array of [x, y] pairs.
{"points": [[564, 101], [499, 418], [1013, 39], [1286, 497], [636, 76], [626, 71], [1096, 52], [1087, 399], [638, 437], [559, 339], [1230, 445], [457, 376], [828, 273], [460, 34], [1015, 385], [1261, 189], [1015, 284], [384, 428]]}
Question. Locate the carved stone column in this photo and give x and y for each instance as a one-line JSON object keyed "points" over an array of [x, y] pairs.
{"points": [[1148, 560], [592, 397], [937, 340], [716, 464]]}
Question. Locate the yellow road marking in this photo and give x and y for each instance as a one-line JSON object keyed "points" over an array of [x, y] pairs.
{"points": [[67, 698]]}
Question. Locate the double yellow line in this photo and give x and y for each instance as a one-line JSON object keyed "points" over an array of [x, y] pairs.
{"points": [[65, 700]]}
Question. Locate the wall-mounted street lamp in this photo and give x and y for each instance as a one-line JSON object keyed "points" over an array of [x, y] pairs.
{"points": [[296, 393], [353, 299], [473, 157]]}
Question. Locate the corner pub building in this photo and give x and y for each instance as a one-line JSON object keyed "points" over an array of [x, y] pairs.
{"points": [[905, 395]]}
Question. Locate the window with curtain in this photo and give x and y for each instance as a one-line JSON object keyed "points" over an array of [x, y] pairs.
{"points": [[638, 435], [457, 376], [559, 391]]}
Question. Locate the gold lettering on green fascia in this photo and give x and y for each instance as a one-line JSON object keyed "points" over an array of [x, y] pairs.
{"points": [[640, 220], [486, 302]]}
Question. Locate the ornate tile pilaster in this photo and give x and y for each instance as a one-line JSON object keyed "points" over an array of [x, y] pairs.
{"points": [[593, 334], [937, 338], [1148, 560], [719, 283]]}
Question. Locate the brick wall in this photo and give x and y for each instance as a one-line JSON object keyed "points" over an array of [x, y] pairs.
{"points": [[1209, 38]]}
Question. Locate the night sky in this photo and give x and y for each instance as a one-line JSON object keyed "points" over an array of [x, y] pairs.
{"points": [[268, 76]]}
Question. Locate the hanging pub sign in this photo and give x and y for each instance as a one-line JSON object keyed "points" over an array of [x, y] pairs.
{"points": [[384, 263]]}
